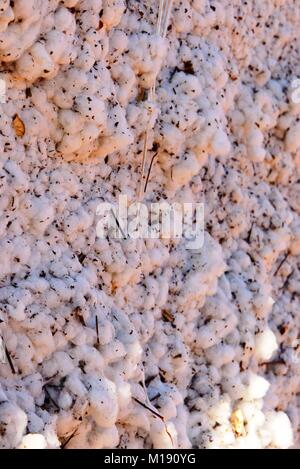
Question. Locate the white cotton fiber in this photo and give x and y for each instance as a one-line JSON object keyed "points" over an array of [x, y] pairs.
{"points": [[265, 345], [256, 388], [33, 441], [149, 341], [279, 427]]}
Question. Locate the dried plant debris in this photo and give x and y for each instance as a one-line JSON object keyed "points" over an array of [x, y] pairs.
{"points": [[18, 126]]}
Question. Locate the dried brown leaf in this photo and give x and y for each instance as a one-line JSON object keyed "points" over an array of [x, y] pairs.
{"points": [[18, 126]]}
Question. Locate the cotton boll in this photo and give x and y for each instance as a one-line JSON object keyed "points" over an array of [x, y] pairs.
{"points": [[75, 80], [65, 400], [295, 244], [250, 441], [41, 338], [79, 337], [6, 18], [172, 139], [92, 359], [292, 139], [75, 385], [60, 363], [78, 221], [33, 441], [113, 351], [70, 143], [253, 416], [234, 387], [146, 56], [188, 84], [102, 438], [25, 362], [71, 121], [182, 20], [55, 45], [265, 345], [256, 388], [36, 63], [89, 133], [86, 59], [182, 172], [138, 417], [91, 108], [255, 139], [220, 413], [230, 370], [17, 303], [35, 424], [256, 153], [213, 332], [13, 421], [162, 437], [118, 41], [64, 20], [103, 401], [112, 144], [220, 354], [220, 144], [106, 332], [34, 384], [98, 42], [112, 12], [263, 303], [223, 438], [126, 79], [35, 124], [19, 179], [199, 5], [51, 435], [41, 214], [202, 385], [236, 222], [124, 396], [24, 8], [279, 427]]}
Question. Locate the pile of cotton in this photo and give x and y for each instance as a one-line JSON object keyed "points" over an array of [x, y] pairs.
{"points": [[139, 342]]}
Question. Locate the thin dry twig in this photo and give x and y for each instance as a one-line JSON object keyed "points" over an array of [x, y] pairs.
{"points": [[168, 10], [145, 151], [281, 264], [154, 412], [287, 280], [160, 14], [274, 362], [48, 380], [149, 172], [97, 330], [63, 446], [13, 370], [118, 224], [74, 432], [51, 398], [164, 12]]}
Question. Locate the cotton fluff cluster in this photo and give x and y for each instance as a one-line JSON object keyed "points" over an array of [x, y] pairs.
{"points": [[66, 44], [104, 335]]}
